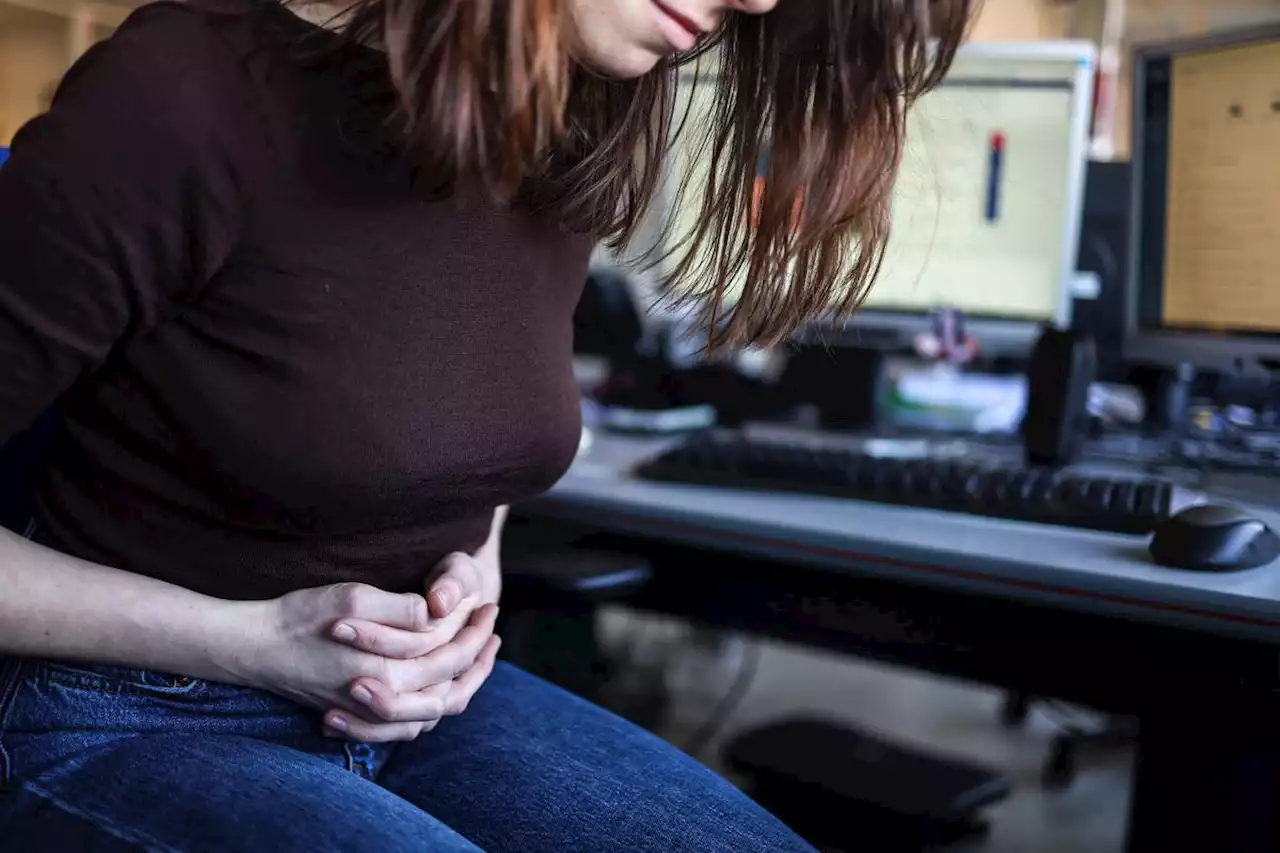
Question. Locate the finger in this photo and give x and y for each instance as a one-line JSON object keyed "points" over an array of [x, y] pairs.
{"points": [[449, 661], [380, 703], [446, 630], [353, 728], [379, 639], [465, 686], [398, 610], [456, 578], [399, 644], [460, 656]]}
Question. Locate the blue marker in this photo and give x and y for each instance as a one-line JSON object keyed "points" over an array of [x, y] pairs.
{"points": [[994, 175]]}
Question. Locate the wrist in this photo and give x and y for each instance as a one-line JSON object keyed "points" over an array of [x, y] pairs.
{"points": [[232, 647]]}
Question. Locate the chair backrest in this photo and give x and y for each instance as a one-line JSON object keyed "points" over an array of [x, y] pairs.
{"points": [[607, 321], [21, 460]]}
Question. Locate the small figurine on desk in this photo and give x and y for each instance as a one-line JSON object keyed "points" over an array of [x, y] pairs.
{"points": [[947, 342]]}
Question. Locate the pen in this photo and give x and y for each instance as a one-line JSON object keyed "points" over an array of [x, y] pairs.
{"points": [[994, 169]]}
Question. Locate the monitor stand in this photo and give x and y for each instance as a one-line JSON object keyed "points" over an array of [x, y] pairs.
{"points": [[1175, 398], [842, 383]]}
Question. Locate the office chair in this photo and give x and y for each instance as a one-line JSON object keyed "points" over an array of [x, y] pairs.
{"points": [[607, 321], [650, 368], [1060, 768], [608, 324], [550, 599]]}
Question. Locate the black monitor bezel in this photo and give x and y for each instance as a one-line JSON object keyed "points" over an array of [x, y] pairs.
{"points": [[1151, 342]]}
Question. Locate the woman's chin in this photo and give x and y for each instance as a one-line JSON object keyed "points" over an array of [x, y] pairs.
{"points": [[627, 64]]}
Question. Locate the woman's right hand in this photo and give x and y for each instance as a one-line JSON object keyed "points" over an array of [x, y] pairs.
{"points": [[295, 646]]}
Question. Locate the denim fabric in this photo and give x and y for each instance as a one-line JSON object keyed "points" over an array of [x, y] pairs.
{"points": [[97, 758]]}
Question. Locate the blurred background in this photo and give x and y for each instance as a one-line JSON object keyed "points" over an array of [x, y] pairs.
{"points": [[1012, 774]]}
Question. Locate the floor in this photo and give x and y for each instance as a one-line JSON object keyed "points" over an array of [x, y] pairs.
{"points": [[946, 717]]}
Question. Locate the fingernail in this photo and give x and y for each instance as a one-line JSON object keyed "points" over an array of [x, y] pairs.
{"points": [[344, 632], [447, 594], [361, 694], [338, 723]]}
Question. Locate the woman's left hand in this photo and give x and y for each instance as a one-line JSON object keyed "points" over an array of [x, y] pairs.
{"points": [[462, 590]]}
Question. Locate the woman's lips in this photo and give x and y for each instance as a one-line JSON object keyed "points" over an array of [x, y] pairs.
{"points": [[678, 30]]}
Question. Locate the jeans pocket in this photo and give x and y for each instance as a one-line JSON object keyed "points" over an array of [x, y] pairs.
{"points": [[118, 680]]}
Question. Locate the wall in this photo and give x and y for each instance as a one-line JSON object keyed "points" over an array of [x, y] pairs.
{"points": [[33, 56], [1152, 20], [38, 41], [1018, 20], [1141, 20]]}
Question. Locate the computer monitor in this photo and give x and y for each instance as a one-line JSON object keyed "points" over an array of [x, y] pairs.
{"points": [[987, 206], [1205, 226]]}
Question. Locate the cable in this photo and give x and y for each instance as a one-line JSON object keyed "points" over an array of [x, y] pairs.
{"points": [[728, 703]]}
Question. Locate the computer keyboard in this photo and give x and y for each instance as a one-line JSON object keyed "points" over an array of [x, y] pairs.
{"points": [[957, 485]]}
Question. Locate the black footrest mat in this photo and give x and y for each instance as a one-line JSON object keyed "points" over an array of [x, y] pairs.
{"points": [[841, 787]]}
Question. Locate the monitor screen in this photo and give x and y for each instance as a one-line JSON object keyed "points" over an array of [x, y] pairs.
{"points": [[987, 205], [1207, 201], [982, 200]]}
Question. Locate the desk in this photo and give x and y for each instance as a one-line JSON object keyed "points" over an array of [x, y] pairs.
{"points": [[1047, 611]]}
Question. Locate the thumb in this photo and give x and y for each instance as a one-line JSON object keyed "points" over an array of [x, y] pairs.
{"points": [[453, 582]]}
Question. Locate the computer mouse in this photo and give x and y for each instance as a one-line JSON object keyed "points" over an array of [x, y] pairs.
{"points": [[1212, 538]]}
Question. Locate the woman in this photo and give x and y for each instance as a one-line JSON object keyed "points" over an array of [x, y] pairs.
{"points": [[303, 298]]}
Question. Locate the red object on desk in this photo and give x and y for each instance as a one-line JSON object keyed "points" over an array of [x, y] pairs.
{"points": [[995, 169]]}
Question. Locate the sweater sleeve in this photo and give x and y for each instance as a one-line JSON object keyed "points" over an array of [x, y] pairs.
{"points": [[121, 200]]}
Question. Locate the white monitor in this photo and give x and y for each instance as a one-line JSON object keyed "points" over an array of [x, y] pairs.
{"points": [[987, 207]]}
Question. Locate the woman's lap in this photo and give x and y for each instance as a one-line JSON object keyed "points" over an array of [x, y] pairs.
{"points": [[99, 759]]}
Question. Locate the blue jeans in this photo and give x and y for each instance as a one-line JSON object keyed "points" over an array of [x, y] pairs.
{"points": [[97, 758]]}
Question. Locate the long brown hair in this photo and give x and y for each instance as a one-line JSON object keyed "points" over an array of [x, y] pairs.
{"points": [[488, 92]]}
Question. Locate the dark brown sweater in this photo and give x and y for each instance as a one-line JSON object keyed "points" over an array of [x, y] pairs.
{"points": [[278, 364]]}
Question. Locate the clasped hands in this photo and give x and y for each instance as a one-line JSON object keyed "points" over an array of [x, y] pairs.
{"points": [[428, 654]]}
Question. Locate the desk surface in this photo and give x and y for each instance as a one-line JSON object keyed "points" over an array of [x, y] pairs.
{"points": [[1061, 567]]}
